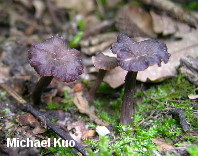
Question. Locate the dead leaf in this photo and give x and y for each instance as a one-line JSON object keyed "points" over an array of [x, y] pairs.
{"points": [[162, 146], [83, 107], [166, 25], [78, 87], [38, 130], [29, 120], [90, 22], [134, 21], [39, 8], [192, 97], [22, 38], [115, 77], [80, 6], [88, 134], [76, 130]]}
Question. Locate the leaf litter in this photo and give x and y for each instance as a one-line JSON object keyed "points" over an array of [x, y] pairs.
{"points": [[28, 29], [83, 107]]}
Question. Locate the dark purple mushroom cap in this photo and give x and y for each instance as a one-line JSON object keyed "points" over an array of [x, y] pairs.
{"points": [[137, 56], [53, 58], [104, 62]]}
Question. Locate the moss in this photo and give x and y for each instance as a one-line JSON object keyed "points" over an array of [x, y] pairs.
{"points": [[105, 88], [76, 39], [138, 141], [193, 150], [125, 140], [6, 111], [126, 143], [60, 151], [51, 106], [66, 105]]}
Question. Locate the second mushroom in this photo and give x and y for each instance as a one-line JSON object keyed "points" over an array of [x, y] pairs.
{"points": [[136, 56], [53, 59], [103, 63]]}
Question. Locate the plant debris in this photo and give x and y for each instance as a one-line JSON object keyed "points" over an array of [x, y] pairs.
{"points": [[182, 118], [164, 119], [83, 107]]}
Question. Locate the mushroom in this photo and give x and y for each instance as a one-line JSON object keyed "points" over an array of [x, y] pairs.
{"points": [[103, 63], [53, 59], [136, 56]]}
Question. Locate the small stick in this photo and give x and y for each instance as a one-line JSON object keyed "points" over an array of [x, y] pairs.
{"points": [[182, 118], [27, 107], [168, 105], [154, 99], [13, 94], [148, 118]]}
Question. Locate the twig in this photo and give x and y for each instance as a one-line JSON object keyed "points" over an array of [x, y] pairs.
{"points": [[148, 118], [27, 107], [13, 94], [174, 111], [168, 105], [182, 118], [173, 10], [156, 100], [178, 101]]}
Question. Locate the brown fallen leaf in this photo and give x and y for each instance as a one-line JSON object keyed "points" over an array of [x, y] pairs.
{"points": [[115, 77], [134, 21], [78, 87], [38, 130], [162, 146], [83, 107], [29, 120], [76, 130], [39, 8], [80, 6], [167, 25], [90, 22], [88, 134]]}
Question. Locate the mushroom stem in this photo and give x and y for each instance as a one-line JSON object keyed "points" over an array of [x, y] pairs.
{"points": [[40, 86], [96, 85], [128, 101]]}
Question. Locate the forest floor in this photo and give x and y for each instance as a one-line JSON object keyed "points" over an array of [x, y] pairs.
{"points": [[165, 115]]}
